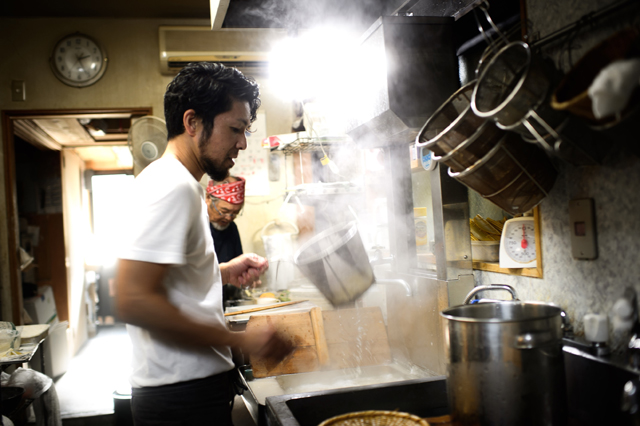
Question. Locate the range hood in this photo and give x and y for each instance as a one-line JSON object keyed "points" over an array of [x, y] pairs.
{"points": [[421, 72]]}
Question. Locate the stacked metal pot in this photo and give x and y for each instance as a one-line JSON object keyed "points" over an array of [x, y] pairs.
{"points": [[490, 132]]}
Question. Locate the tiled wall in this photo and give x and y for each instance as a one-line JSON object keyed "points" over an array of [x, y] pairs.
{"points": [[582, 286]]}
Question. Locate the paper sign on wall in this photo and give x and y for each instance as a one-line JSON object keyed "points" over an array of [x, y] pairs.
{"points": [[253, 163]]}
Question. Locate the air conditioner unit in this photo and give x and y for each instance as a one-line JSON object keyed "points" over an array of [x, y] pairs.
{"points": [[243, 48]]}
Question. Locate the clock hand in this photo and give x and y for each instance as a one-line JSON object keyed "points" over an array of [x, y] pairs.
{"points": [[524, 244], [84, 68], [79, 60]]}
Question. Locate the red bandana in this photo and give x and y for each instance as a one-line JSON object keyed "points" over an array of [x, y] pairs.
{"points": [[230, 192]]}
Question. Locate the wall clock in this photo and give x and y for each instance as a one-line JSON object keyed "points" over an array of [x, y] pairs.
{"points": [[78, 60]]}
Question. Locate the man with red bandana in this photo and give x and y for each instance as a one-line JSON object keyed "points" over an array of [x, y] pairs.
{"points": [[225, 201]]}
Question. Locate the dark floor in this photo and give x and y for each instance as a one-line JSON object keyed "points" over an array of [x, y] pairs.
{"points": [[99, 369]]}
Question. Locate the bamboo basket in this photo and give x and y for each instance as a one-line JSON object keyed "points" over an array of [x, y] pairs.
{"points": [[375, 418]]}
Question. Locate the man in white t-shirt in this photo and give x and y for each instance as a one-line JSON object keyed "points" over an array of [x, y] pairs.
{"points": [[169, 282]]}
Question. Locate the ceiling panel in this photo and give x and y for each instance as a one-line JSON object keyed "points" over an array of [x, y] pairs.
{"points": [[240, 14], [106, 157], [66, 131], [175, 9]]}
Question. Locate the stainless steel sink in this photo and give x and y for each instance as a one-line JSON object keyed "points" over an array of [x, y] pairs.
{"points": [[325, 382], [346, 378], [422, 397]]}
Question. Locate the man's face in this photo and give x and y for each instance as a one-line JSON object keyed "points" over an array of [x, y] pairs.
{"points": [[221, 213], [217, 153]]}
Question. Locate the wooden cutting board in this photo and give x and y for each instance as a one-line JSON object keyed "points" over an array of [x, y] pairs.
{"points": [[356, 338], [325, 340]]}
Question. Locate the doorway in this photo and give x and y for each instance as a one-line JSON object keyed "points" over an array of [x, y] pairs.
{"points": [[69, 135], [109, 219]]}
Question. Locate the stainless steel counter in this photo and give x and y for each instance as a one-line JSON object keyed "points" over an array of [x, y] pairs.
{"points": [[594, 394]]}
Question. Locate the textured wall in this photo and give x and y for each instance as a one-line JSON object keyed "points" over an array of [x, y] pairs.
{"points": [[581, 286], [132, 79]]}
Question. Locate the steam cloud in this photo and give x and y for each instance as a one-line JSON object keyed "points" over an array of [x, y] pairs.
{"points": [[297, 14]]}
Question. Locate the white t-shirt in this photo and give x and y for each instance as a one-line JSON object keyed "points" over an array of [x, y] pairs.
{"points": [[170, 225]]}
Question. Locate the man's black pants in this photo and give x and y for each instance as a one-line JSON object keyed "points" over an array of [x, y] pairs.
{"points": [[198, 402]]}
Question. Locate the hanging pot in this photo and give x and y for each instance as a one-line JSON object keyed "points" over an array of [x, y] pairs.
{"points": [[336, 262], [505, 362]]}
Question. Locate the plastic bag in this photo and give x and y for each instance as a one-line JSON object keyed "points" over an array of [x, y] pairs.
{"points": [[613, 86]]}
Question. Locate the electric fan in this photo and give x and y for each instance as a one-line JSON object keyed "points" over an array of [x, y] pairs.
{"points": [[147, 140]]}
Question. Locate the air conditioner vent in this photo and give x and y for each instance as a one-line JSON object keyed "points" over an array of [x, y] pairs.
{"points": [[246, 48], [178, 65]]}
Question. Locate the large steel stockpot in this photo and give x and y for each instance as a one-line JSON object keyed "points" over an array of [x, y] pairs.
{"points": [[505, 363]]}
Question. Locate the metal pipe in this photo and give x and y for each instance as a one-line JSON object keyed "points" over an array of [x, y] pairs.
{"points": [[403, 283], [586, 19], [480, 288]]}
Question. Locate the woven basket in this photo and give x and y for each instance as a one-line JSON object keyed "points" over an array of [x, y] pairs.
{"points": [[572, 94], [375, 418]]}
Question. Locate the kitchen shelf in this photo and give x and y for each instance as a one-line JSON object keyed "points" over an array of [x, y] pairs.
{"points": [[311, 144], [31, 337], [328, 188]]}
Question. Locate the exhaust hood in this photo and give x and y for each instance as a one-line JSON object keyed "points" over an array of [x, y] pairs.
{"points": [[420, 73]]}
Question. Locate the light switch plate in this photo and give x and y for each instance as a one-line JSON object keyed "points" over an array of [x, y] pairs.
{"points": [[18, 93], [582, 225]]}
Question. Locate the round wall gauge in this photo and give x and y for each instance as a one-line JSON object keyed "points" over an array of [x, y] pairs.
{"points": [[426, 159], [78, 60], [518, 243]]}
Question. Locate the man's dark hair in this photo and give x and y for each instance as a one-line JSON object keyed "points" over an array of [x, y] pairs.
{"points": [[209, 89]]}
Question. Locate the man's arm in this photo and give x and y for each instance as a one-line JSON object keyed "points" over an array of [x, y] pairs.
{"points": [[244, 270], [141, 300]]}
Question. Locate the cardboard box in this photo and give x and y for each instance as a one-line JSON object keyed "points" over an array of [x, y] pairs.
{"points": [[42, 309]]}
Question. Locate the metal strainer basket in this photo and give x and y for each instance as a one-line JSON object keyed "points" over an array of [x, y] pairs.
{"points": [[514, 82], [514, 175], [452, 123], [375, 418]]}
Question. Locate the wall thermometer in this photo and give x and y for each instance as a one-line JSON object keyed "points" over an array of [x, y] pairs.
{"points": [[518, 243], [426, 159]]}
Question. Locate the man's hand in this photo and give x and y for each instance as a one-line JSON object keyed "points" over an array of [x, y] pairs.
{"points": [[244, 270], [266, 343]]}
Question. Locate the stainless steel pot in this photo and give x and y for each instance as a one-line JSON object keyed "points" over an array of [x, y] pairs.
{"points": [[336, 262], [505, 363]]}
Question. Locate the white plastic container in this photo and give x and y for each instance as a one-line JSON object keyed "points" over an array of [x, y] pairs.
{"points": [[485, 251], [420, 222]]}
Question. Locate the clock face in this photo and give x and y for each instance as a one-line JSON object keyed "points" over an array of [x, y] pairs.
{"points": [[78, 60]]}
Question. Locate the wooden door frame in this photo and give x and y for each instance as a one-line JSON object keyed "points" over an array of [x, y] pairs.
{"points": [[11, 197]]}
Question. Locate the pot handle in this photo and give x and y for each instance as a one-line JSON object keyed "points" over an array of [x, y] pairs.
{"points": [[480, 288]]}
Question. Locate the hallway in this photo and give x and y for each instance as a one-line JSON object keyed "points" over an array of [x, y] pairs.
{"points": [[99, 369]]}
